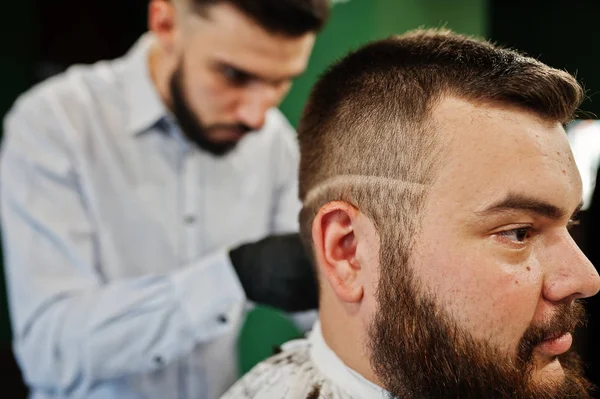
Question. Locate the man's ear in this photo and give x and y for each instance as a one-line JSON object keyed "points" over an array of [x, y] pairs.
{"points": [[335, 245], [161, 21]]}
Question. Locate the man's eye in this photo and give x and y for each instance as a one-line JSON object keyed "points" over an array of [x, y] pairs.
{"points": [[518, 235], [235, 76]]}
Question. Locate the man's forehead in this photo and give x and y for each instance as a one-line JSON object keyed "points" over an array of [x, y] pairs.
{"points": [[467, 119], [229, 37], [496, 154], [484, 135]]}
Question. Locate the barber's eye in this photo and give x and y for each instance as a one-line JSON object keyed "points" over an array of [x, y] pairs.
{"points": [[235, 76], [518, 235]]}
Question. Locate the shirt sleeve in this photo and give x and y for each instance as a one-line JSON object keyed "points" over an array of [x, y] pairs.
{"points": [[286, 159], [72, 328]]}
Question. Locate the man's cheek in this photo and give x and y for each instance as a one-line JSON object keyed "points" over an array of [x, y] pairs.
{"points": [[507, 312]]}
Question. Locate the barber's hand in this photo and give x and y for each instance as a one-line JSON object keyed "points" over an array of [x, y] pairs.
{"points": [[277, 271]]}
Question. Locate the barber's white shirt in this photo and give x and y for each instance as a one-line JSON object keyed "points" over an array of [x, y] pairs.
{"points": [[305, 369]]}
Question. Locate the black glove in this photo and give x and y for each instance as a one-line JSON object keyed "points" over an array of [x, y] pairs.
{"points": [[277, 271]]}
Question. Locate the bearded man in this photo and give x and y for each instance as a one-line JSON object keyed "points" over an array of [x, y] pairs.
{"points": [[438, 186]]}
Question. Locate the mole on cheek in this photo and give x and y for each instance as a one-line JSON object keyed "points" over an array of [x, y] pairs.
{"points": [[528, 268]]}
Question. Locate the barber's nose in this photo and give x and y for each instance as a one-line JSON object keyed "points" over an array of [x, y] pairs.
{"points": [[252, 112], [568, 272]]}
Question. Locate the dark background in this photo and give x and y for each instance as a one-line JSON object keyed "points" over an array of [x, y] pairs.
{"points": [[41, 38]]}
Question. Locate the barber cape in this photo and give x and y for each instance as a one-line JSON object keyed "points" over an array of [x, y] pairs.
{"points": [[305, 369]]}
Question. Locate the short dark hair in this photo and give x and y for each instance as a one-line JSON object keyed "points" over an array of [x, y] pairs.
{"points": [[368, 118], [287, 17]]}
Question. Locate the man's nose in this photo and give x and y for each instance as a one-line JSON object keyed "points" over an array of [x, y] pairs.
{"points": [[257, 102], [568, 273]]}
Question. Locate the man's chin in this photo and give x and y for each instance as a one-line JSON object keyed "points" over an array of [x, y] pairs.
{"points": [[221, 149], [221, 145], [547, 371], [556, 378], [214, 148]]}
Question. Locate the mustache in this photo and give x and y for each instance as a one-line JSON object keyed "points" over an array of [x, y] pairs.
{"points": [[566, 319]]}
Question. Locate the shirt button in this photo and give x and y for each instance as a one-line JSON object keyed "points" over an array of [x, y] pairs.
{"points": [[222, 318], [189, 219], [158, 361]]}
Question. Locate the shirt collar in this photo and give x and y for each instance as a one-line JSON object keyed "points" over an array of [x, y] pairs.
{"points": [[145, 105], [332, 367]]}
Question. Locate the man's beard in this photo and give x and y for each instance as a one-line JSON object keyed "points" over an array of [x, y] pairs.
{"points": [[418, 350], [190, 124]]}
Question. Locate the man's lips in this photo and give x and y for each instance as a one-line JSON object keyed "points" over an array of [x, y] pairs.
{"points": [[555, 345], [229, 134]]}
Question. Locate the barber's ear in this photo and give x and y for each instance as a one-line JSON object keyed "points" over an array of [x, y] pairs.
{"points": [[335, 244], [162, 21]]}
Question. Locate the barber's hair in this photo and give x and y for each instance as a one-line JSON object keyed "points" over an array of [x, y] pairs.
{"points": [[367, 135], [291, 18]]}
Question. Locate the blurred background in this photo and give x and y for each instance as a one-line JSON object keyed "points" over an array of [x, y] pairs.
{"points": [[42, 38]]}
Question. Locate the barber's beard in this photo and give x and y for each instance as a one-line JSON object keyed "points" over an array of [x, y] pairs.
{"points": [[190, 123], [419, 351]]}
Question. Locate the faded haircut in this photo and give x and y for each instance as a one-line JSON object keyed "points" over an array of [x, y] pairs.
{"points": [[367, 135]]}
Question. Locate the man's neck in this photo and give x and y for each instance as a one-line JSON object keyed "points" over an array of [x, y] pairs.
{"points": [[161, 70], [348, 342], [338, 372]]}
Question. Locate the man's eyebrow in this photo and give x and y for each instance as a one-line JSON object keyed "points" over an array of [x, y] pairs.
{"points": [[520, 202], [254, 76], [224, 64]]}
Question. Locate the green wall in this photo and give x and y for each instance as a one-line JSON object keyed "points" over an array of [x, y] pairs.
{"points": [[355, 22]]}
